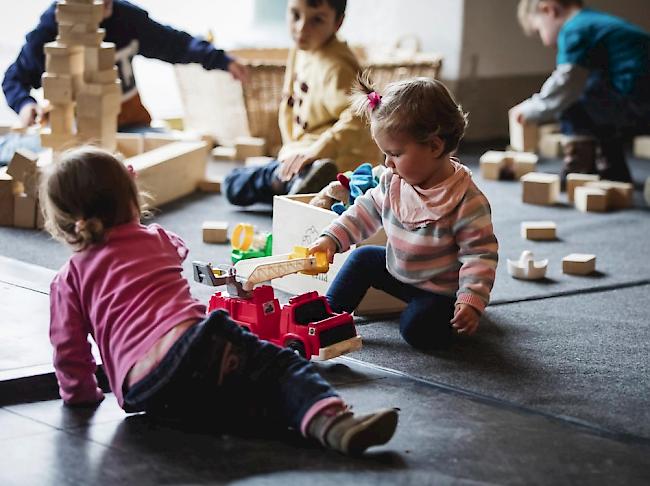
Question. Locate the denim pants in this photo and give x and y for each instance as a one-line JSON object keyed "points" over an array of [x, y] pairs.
{"points": [[604, 113], [424, 324], [249, 185], [221, 373]]}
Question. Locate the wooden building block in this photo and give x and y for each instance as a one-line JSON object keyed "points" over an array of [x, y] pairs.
{"points": [[172, 171], [490, 164], [223, 153], [57, 88], [154, 140], [258, 161], [91, 105], [620, 195], [100, 58], [130, 144], [523, 137], [215, 231], [87, 39], [579, 264], [540, 188], [642, 147], [524, 163], [211, 184], [538, 230], [57, 142], [22, 165], [76, 12], [249, 147], [107, 76], [550, 145], [61, 119], [24, 211], [60, 49], [7, 191], [66, 63], [590, 199], [574, 180]]}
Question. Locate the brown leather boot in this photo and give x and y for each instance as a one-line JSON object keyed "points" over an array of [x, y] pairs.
{"points": [[579, 156]]}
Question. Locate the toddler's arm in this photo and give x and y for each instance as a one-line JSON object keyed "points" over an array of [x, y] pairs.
{"points": [[360, 221], [477, 251], [74, 364], [559, 91]]}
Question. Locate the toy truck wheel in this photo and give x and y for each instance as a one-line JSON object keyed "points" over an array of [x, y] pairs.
{"points": [[297, 347]]}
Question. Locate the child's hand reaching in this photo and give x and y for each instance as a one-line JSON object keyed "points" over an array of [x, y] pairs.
{"points": [[465, 319], [325, 244]]}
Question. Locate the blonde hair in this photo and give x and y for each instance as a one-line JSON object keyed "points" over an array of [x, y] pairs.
{"points": [[86, 192], [527, 8], [418, 107]]}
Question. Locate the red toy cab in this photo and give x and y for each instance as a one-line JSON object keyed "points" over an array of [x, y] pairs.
{"points": [[306, 324]]}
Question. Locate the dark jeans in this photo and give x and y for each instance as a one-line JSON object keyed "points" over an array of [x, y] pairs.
{"points": [[424, 324], [220, 372], [249, 185]]}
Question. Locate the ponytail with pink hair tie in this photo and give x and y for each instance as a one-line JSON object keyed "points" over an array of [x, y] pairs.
{"points": [[374, 98]]}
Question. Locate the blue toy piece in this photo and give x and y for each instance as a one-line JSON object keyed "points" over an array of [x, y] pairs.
{"points": [[361, 179]]}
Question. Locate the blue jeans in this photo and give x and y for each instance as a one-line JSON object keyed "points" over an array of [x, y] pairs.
{"points": [[249, 185], [254, 380], [424, 324], [11, 142]]}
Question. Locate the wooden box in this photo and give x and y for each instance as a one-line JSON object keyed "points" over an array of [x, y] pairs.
{"points": [[295, 222], [540, 188]]}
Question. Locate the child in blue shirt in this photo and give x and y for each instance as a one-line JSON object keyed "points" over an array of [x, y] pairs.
{"points": [[600, 89]]}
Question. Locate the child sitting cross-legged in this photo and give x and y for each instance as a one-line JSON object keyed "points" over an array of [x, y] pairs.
{"points": [[123, 286], [441, 252]]}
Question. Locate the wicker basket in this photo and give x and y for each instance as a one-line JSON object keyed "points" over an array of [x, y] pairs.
{"points": [[263, 92]]}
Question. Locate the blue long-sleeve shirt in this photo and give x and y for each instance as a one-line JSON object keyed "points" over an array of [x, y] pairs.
{"points": [[132, 32]]}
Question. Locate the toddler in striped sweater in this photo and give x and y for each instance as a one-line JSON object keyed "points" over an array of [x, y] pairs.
{"points": [[441, 251]]}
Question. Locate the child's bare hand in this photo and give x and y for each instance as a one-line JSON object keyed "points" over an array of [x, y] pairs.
{"points": [[238, 71], [324, 244], [465, 319], [292, 164]]}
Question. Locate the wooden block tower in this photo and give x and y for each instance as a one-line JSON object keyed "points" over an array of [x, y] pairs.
{"points": [[80, 73]]}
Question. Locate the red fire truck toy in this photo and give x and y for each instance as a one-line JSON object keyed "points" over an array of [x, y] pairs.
{"points": [[306, 324]]}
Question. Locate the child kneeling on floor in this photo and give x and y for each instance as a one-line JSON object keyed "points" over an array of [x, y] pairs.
{"points": [[123, 286], [441, 252]]}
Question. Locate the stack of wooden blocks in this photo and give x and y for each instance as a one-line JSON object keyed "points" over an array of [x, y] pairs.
{"points": [[497, 165], [80, 72], [19, 192]]}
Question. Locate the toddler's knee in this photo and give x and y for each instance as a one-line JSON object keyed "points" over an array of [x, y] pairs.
{"points": [[426, 335]]}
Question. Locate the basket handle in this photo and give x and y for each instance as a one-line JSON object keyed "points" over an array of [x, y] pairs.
{"points": [[406, 43]]}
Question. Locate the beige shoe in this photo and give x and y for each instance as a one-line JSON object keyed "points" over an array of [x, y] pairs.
{"points": [[339, 429]]}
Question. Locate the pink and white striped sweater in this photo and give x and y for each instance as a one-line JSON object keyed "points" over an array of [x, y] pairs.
{"points": [[440, 239]]}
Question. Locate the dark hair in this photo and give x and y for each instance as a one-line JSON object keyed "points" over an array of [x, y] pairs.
{"points": [[418, 107], [337, 5], [86, 192]]}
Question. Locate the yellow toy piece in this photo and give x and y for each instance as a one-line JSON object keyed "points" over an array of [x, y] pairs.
{"points": [[322, 265], [248, 233]]}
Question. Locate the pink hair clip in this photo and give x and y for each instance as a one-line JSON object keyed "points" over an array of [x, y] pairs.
{"points": [[132, 171], [374, 98]]}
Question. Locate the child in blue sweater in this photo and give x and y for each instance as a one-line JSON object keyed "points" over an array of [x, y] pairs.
{"points": [[600, 89]]}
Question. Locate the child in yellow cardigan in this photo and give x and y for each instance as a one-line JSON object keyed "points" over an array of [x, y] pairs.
{"points": [[320, 134]]}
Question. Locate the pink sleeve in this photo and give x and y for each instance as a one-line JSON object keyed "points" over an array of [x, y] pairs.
{"points": [[176, 241], [74, 364]]}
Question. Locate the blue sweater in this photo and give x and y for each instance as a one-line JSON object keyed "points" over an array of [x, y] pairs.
{"points": [[132, 32]]}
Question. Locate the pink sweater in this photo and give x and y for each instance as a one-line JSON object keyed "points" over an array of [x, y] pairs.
{"points": [[126, 293], [439, 239]]}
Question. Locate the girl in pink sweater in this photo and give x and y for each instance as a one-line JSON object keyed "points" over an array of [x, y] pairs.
{"points": [[123, 286], [441, 252]]}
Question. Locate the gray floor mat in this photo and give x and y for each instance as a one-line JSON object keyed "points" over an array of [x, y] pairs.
{"points": [[586, 357]]}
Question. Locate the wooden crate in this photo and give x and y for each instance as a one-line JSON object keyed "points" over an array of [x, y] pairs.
{"points": [[295, 222]]}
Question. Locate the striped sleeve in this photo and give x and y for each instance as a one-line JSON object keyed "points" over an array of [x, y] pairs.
{"points": [[477, 252], [360, 221]]}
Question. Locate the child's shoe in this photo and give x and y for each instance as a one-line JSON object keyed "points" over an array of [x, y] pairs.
{"points": [[579, 156], [314, 177], [337, 428]]}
